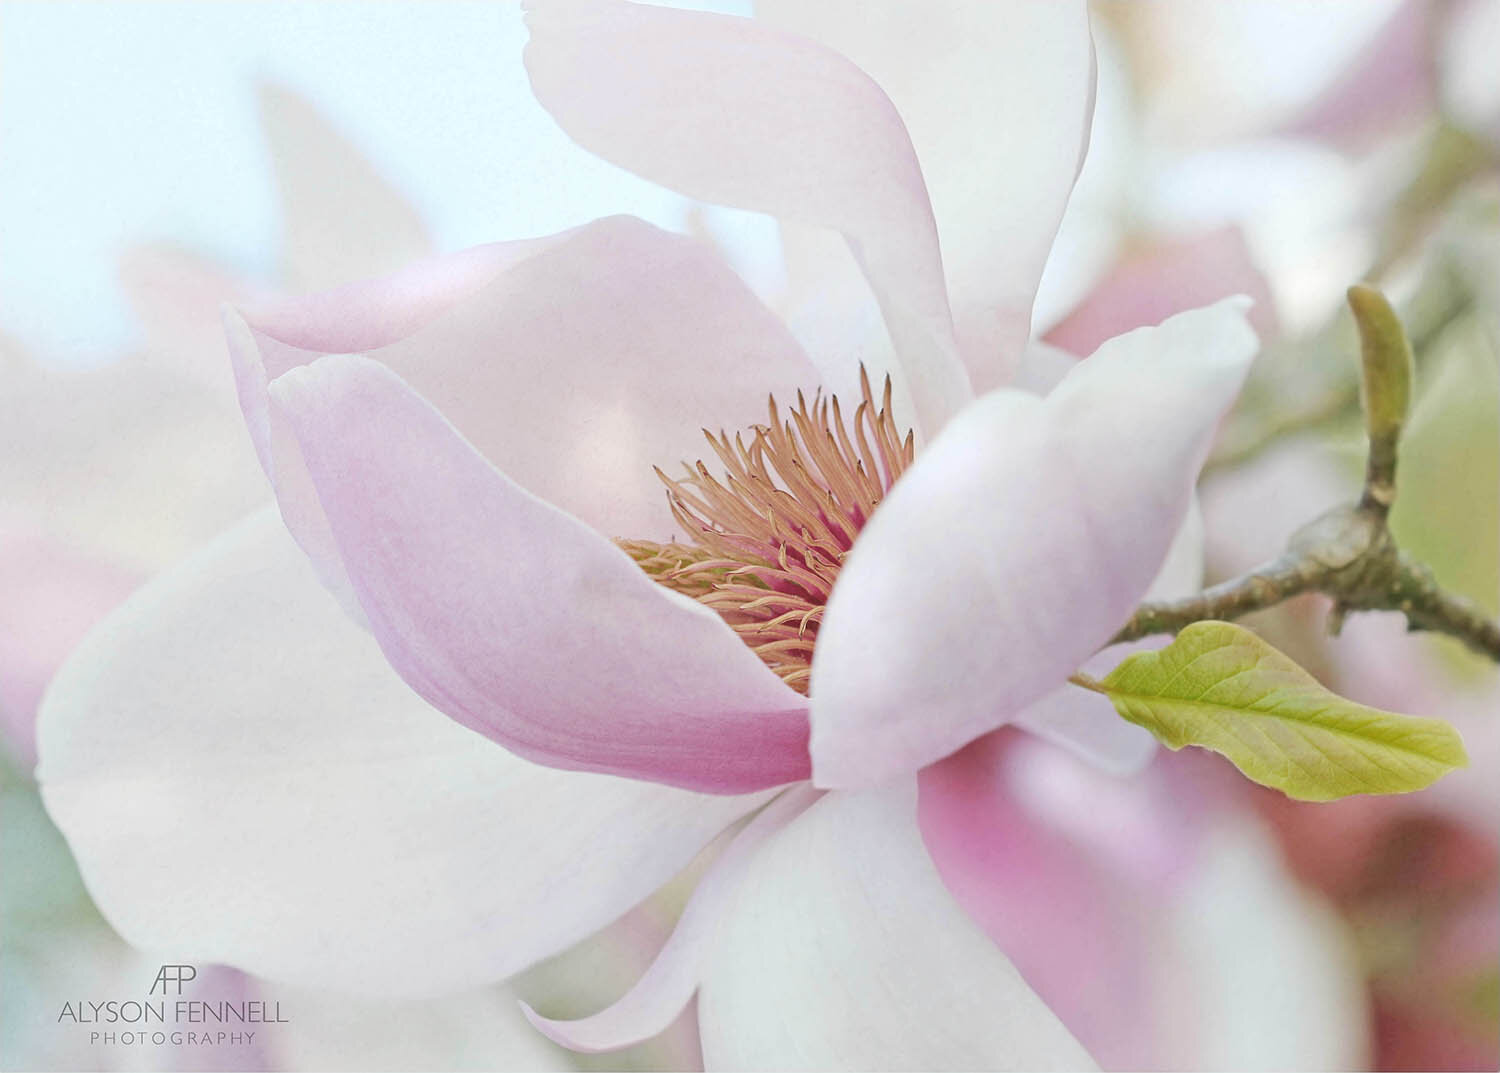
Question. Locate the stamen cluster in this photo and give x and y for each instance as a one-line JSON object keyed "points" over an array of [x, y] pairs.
{"points": [[764, 542]]}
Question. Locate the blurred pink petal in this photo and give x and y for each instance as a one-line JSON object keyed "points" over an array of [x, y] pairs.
{"points": [[1037, 533], [243, 779], [239, 1051], [1420, 886], [518, 620], [734, 112], [177, 295], [1377, 661], [132, 461], [1099, 891], [54, 593], [1389, 83], [1149, 285], [1078, 935], [1237, 68], [575, 363], [996, 97], [669, 984]]}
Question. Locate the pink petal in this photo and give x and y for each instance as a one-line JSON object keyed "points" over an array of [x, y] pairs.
{"points": [[1123, 903], [996, 97], [668, 985], [54, 592], [1015, 546], [518, 620], [1393, 79], [1055, 909], [574, 363], [1147, 286], [733, 112], [177, 295]]}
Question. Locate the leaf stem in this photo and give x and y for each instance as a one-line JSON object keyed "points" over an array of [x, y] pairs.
{"points": [[1078, 678]]}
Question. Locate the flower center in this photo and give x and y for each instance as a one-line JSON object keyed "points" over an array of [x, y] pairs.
{"points": [[764, 543]]}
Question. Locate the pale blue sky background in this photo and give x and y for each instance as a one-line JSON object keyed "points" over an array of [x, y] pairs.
{"points": [[125, 122]]}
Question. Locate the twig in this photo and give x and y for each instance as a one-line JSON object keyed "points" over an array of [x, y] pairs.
{"points": [[1349, 553]]}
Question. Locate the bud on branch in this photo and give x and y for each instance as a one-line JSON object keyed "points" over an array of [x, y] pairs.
{"points": [[1349, 553]]}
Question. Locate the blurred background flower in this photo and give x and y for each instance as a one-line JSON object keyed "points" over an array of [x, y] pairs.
{"points": [[162, 159]]}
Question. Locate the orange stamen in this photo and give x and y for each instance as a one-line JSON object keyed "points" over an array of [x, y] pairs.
{"points": [[766, 540]]}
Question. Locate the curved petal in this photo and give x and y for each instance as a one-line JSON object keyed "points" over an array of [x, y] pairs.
{"points": [[668, 985], [730, 111], [1077, 935], [996, 97], [1015, 546], [518, 620], [1086, 722], [242, 779], [843, 950], [1125, 902], [574, 362]]}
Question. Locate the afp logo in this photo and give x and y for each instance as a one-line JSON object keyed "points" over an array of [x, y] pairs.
{"points": [[173, 975]]}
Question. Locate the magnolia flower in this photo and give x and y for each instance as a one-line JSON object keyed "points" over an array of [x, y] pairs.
{"points": [[862, 579]]}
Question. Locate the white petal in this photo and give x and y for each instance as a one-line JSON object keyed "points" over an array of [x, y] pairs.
{"points": [[473, 1030], [1018, 543], [1086, 722], [1469, 84], [996, 98], [243, 779], [1246, 929], [731, 111], [844, 950], [666, 987]]}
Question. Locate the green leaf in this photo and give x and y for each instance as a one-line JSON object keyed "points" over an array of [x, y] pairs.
{"points": [[1221, 687]]}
